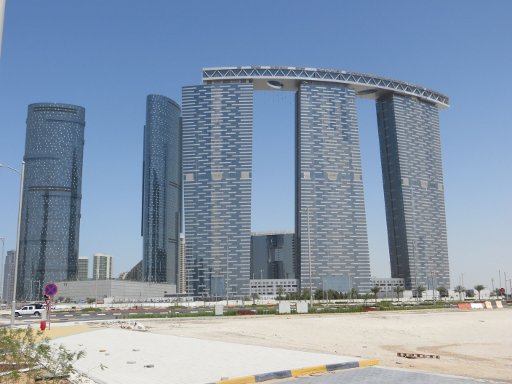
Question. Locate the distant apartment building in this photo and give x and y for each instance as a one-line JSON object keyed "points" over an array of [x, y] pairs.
{"points": [[387, 284], [8, 276], [134, 274], [102, 267], [273, 256], [273, 287], [83, 268], [182, 271]]}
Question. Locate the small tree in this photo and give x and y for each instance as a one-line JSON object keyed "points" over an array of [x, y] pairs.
{"points": [[398, 290], [443, 292], [25, 349], [419, 291], [375, 290], [366, 297], [280, 291], [255, 297], [479, 288], [460, 289], [354, 294], [305, 294]]}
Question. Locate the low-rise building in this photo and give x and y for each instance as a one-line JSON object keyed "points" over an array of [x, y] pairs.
{"points": [[273, 287], [115, 290]]}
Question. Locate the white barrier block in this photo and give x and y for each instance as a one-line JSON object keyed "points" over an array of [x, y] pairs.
{"points": [[302, 307], [219, 309], [284, 307]]}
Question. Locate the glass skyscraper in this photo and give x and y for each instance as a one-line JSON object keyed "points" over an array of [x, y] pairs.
{"points": [[273, 256], [52, 197], [330, 221], [162, 190], [217, 166], [329, 184], [413, 190]]}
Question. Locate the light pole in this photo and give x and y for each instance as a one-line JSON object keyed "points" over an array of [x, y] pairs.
{"points": [[16, 257], [415, 268], [227, 273], [3, 267], [505, 278], [309, 257], [433, 287]]}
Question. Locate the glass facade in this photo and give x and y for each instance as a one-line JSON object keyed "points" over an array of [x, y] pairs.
{"points": [[162, 189], [331, 241], [413, 190], [102, 266], [273, 256], [83, 268], [8, 276], [329, 186], [217, 166], [52, 197]]}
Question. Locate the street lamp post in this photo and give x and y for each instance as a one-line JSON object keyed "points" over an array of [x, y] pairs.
{"points": [[16, 257], [415, 268], [309, 257], [227, 273], [3, 267]]}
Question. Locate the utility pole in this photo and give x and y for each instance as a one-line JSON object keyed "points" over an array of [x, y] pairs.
{"points": [[2, 13], [227, 273], [309, 256], [2, 267], [18, 243]]}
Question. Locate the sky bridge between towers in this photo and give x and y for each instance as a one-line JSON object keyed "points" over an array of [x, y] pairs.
{"points": [[267, 78]]}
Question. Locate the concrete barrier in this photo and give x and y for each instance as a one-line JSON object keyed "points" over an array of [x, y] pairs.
{"points": [[297, 372]]}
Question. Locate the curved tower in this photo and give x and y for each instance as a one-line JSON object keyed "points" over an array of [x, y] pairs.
{"points": [[161, 205], [52, 196]]}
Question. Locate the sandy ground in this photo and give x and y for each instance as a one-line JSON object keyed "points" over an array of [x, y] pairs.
{"points": [[476, 344]]}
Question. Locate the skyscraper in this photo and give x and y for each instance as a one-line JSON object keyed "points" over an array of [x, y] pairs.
{"points": [[83, 268], [52, 195], [273, 256], [8, 276], [330, 220], [217, 166], [414, 190], [161, 205], [102, 266], [329, 186]]}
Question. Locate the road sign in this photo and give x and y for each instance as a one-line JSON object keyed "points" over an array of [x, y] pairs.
{"points": [[50, 289]]}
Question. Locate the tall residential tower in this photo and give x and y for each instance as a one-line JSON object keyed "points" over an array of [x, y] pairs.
{"points": [[161, 205], [412, 172], [330, 221], [52, 195]]}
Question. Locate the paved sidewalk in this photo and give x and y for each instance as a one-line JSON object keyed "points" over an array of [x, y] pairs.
{"points": [[135, 357]]}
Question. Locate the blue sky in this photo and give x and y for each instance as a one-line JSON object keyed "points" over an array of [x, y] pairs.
{"points": [[108, 55]]}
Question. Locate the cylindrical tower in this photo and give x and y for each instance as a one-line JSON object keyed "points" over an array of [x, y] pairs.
{"points": [[161, 206], [52, 197]]}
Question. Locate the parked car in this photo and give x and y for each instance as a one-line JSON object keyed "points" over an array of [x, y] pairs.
{"points": [[28, 310]]}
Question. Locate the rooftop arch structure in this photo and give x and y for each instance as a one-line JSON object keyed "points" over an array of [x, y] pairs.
{"points": [[289, 78]]}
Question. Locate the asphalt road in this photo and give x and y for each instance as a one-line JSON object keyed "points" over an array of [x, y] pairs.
{"points": [[381, 375], [79, 316]]}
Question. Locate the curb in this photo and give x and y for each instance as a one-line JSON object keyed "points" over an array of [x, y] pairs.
{"points": [[297, 372]]}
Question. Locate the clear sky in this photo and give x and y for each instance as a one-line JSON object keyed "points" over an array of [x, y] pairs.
{"points": [[108, 55]]}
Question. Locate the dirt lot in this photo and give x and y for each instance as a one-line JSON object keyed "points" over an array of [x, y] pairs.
{"points": [[470, 343]]}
